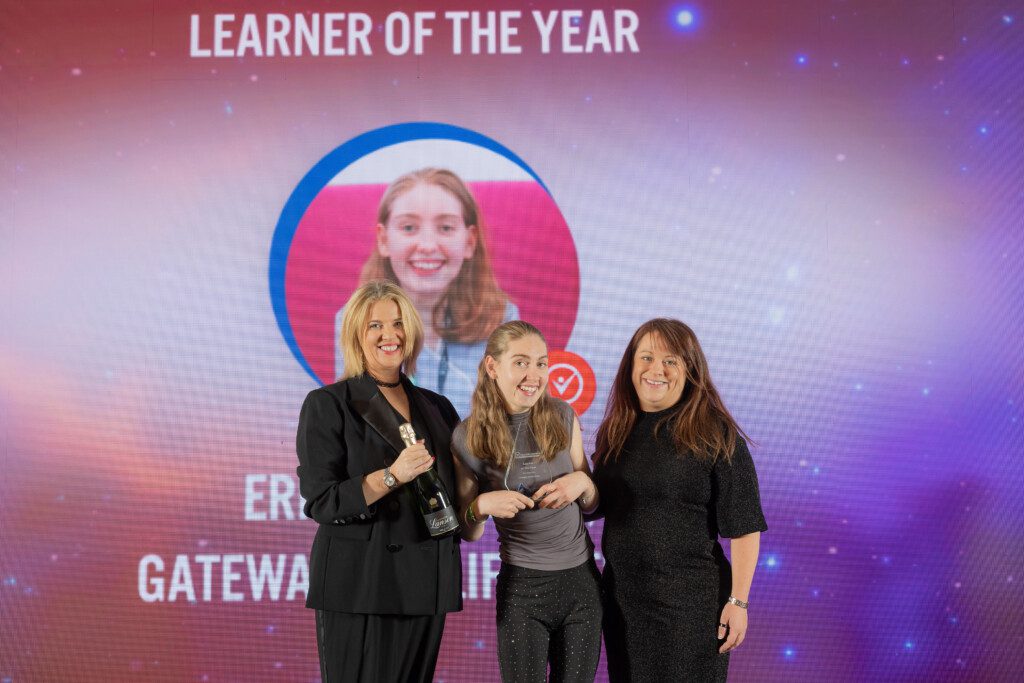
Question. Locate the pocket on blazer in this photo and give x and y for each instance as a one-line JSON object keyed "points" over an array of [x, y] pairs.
{"points": [[357, 531]]}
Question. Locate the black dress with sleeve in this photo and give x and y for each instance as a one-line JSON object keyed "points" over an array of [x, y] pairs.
{"points": [[666, 577]]}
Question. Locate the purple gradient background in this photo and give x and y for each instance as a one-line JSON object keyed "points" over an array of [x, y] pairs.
{"points": [[829, 192]]}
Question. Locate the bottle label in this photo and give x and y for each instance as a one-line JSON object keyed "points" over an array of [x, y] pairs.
{"points": [[441, 522]]}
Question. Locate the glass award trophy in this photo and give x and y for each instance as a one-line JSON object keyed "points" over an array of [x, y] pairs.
{"points": [[526, 471]]}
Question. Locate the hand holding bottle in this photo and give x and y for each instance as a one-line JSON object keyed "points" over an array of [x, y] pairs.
{"points": [[430, 492], [413, 461]]}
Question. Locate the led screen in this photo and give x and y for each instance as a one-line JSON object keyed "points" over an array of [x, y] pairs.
{"points": [[828, 193]]}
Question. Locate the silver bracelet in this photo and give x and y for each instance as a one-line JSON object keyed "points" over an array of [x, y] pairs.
{"points": [[738, 603]]}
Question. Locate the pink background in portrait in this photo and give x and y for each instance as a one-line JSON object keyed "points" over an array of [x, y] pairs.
{"points": [[531, 249]]}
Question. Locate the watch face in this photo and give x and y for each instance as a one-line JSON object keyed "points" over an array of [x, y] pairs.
{"points": [[389, 480]]}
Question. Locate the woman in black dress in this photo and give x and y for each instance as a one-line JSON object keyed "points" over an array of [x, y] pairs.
{"points": [[380, 584], [674, 474]]}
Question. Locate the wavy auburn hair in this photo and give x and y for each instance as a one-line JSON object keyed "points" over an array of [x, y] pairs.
{"points": [[701, 425], [473, 303], [487, 433]]}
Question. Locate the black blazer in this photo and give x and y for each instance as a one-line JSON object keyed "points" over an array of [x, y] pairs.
{"points": [[376, 559]]}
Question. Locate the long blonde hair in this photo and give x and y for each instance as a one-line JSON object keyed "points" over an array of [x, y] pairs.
{"points": [[353, 325], [487, 434], [473, 302]]}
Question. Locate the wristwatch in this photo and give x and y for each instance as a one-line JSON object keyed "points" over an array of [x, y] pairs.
{"points": [[390, 480]]}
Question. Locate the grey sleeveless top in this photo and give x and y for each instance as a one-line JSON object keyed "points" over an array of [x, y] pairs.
{"points": [[539, 538]]}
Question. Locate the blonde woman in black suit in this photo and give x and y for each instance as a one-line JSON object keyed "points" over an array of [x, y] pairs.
{"points": [[380, 585]]}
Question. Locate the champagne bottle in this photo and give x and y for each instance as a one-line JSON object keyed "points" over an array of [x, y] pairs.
{"points": [[432, 496]]}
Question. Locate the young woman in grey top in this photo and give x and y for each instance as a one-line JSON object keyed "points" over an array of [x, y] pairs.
{"points": [[520, 460]]}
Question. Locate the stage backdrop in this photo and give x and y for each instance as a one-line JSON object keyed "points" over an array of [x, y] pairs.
{"points": [[829, 193]]}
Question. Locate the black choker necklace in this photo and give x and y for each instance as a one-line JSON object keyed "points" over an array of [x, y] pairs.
{"points": [[389, 385]]}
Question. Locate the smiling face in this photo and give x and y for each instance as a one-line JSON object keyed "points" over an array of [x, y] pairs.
{"points": [[659, 374], [521, 372], [426, 239], [383, 340]]}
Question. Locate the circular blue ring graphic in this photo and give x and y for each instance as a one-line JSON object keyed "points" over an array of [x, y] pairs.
{"points": [[330, 166]]}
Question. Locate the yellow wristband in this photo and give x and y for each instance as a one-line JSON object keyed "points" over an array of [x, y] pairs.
{"points": [[471, 517]]}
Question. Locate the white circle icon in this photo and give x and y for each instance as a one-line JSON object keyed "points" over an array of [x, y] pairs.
{"points": [[562, 385]]}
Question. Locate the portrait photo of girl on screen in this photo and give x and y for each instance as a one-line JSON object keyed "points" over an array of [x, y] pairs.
{"points": [[431, 239]]}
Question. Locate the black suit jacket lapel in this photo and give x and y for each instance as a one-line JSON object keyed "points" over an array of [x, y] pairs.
{"points": [[378, 413], [440, 432]]}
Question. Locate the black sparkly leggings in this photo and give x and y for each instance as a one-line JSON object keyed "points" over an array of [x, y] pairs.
{"points": [[549, 617]]}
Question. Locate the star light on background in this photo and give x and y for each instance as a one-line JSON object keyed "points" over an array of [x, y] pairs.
{"points": [[685, 18]]}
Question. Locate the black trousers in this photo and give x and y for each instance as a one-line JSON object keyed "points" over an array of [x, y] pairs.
{"points": [[377, 648], [549, 617]]}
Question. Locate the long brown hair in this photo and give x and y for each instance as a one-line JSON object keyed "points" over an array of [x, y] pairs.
{"points": [[474, 303], [701, 424], [487, 434]]}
